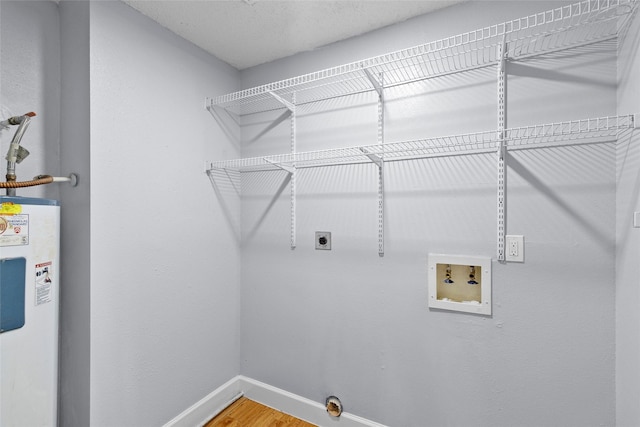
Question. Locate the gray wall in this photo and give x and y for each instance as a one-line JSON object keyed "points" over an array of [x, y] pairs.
{"points": [[164, 263], [349, 323], [75, 304], [627, 268]]}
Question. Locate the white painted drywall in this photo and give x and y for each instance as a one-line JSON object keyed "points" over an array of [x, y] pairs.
{"points": [[164, 263], [349, 323], [627, 239]]}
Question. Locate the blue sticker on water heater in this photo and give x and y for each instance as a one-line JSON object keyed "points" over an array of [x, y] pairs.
{"points": [[12, 290]]}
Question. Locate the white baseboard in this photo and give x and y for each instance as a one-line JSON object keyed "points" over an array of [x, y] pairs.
{"points": [[209, 406], [292, 404]]}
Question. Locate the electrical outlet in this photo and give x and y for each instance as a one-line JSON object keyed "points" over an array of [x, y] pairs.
{"points": [[323, 240], [514, 248]]}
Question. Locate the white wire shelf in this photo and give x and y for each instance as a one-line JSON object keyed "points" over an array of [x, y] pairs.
{"points": [[581, 23], [587, 131]]}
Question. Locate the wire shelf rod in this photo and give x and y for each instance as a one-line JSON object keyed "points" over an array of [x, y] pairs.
{"points": [[367, 90], [414, 157], [431, 155], [521, 57], [592, 130]]}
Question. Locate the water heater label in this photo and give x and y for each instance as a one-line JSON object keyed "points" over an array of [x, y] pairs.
{"points": [[9, 208], [14, 230], [44, 282]]}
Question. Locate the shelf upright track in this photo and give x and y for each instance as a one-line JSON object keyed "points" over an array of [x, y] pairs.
{"points": [[378, 159], [294, 173], [381, 167], [502, 147], [290, 168]]}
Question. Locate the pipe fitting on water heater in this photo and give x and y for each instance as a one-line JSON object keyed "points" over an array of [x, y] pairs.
{"points": [[17, 154]]}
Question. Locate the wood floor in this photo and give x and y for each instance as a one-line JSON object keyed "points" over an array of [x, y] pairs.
{"points": [[247, 413]]}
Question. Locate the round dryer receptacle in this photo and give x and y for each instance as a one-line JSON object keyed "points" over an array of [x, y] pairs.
{"points": [[334, 406]]}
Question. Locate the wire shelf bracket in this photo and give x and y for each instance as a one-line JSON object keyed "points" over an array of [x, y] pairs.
{"points": [[287, 168], [373, 157]]}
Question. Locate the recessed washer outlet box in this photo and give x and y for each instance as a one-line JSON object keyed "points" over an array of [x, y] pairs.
{"points": [[323, 240], [460, 283]]}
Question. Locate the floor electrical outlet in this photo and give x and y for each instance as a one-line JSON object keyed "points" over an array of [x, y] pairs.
{"points": [[323, 240], [514, 250]]}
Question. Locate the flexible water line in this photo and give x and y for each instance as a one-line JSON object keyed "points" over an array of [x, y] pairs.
{"points": [[39, 180]]}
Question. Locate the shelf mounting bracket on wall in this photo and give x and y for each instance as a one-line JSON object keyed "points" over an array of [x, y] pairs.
{"points": [[374, 158], [378, 84], [290, 105], [289, 169], [502, 146]]}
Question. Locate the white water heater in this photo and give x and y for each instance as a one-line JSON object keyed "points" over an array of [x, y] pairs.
{"points": [[29, 305]]}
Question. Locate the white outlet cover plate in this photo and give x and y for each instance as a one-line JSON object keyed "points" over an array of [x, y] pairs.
{"points": [[514, 248]]}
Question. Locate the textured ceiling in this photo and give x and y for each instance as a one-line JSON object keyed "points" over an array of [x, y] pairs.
{"points": [[245, 33]]}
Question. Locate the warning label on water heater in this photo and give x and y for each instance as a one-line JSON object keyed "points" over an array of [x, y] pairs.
{"points": [[14, 230], [44, 282]]}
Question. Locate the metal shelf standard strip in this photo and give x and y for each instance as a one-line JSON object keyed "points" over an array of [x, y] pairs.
{"points": [[502, 150]]}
